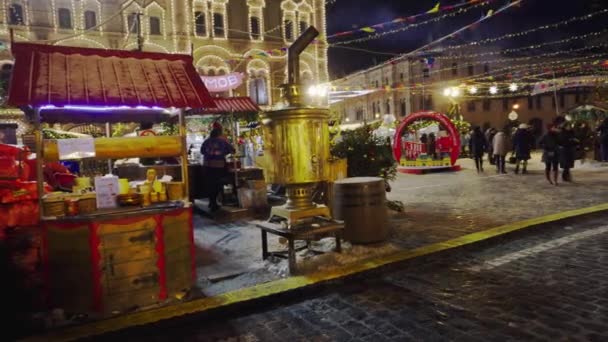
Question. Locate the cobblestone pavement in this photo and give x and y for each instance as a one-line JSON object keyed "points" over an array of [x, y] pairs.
{"points": [[438, 207], [546, 284], [443, 206]]}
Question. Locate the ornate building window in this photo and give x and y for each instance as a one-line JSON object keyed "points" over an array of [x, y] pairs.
{"points": [[304, 16], [155, 26], [258, 90], [200, 13], [454, 69], [90, 19], [256, 18], [255, 28], [288, 28], [218, 25], [15, 15], [133, 23], [258, 82], [200, 23], [219, 19], [289, 18], [154, 19], [89, 15], [65, 18]]}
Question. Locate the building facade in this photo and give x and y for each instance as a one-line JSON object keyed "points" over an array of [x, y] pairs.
{"points": [[408, 85], [249, 37]]}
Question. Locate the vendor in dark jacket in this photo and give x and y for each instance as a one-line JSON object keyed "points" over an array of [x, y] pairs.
{"points": [[214, 150], [522, 145], [477, 147]]}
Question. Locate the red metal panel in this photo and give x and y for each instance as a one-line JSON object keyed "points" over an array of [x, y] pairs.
{"points": [[58, 75], [231, 104]]}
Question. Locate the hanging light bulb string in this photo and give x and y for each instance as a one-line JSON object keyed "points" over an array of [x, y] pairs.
{"points": [[526, 32], [409, 19], [485, 79], [413, 25]]}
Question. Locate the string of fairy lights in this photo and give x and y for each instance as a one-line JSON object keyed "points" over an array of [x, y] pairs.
{"points": [[489, 85], [412, 25]]}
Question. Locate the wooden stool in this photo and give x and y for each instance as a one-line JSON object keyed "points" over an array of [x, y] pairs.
{"points": [[306, 232]]}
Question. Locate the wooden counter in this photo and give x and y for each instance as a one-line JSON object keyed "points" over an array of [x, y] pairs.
{"points": [[118, 260]]}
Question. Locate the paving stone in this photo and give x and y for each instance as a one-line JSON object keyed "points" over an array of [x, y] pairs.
{"points": [[530, 298]]}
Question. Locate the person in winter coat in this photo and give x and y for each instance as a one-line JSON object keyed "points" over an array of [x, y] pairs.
{"points": [[550, 144], [522, 145], [603, 133], [477, 147], [500, 149], [431, 146], [490, 132], [567, 156]]}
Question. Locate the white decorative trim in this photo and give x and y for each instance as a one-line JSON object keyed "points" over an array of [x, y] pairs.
{"points": [[70, 5], [200, 6], [153, 6], [90, 5], [75, 39], [219, 7], [256, 10], [148, 43]]}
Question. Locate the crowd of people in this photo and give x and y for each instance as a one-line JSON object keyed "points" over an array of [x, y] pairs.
{"points": [[559, 145]]}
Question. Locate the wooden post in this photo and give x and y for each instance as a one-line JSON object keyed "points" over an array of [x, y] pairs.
{"points": [[109, 135], [39, 159], [184, 156]]}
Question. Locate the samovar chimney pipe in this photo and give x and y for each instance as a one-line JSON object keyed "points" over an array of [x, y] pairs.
{"points": [[294, 51]]}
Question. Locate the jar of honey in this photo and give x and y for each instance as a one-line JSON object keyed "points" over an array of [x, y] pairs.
{"points": [[71, 206]]}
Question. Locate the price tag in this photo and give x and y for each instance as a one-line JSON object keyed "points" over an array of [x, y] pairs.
{"points": [[76, 148]]}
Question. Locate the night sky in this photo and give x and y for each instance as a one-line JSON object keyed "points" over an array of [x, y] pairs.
{"points": [[344, 15]]}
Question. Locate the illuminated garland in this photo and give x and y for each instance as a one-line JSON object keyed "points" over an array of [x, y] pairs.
{"points": [[530, 47], [401, 20], [414, 25], [526, 32], [469, 82], [525, 58]]}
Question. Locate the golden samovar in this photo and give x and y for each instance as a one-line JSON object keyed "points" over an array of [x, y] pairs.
{"points": [[297, 137]]}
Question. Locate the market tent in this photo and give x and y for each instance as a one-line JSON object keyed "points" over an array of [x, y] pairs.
{"points": [[103, 82], [228, 105]]}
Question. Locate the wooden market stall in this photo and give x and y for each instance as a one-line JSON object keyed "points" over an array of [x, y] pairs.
{"points": [[120, 257], [238, 176]]}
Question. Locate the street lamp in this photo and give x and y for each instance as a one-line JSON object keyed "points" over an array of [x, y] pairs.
{"points": [[513, 87], [473, 90], [493, 90], [516, 106]]}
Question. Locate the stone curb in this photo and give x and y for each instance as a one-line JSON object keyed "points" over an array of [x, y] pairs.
{"points": [[242, 299]]}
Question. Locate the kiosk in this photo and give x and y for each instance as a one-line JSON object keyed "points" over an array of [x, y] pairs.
{"points": [[103, 253]]}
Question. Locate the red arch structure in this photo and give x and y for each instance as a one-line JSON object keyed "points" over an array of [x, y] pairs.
{"points": [[428, 115]]}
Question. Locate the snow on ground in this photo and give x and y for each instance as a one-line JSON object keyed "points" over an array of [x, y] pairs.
{"points": [[438, 207]]}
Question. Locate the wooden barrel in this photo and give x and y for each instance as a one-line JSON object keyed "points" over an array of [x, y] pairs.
{"points": [[361, 203]]}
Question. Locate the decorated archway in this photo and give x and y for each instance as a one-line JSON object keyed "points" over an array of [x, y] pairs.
{"points": [[448, 145]]}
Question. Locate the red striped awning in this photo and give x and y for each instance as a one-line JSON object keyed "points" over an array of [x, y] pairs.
{"points": [[227, 105], [60, 76]]}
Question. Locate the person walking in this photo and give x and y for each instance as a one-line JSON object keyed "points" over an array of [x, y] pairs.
{"points": [[569, 145], [550, 145], [603, 135], [215, 149], [522, 145], [477, 147], [490, 132], [431, 146], [499, 148]]}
